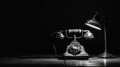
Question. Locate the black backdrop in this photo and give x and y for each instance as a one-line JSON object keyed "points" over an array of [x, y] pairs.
{"points": [[56, 15], [51, 16]]}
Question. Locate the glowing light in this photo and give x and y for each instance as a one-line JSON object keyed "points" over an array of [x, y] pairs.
{"points": [[93, 26]]}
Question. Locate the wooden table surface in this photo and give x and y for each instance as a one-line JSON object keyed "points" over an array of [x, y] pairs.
{"points": [[52, 61]]}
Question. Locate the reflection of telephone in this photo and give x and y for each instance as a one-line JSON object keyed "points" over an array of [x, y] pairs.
{"points": [[75, 49]]}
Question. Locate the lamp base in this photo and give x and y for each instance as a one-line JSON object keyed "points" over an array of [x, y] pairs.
{"points": [[105, 55]]}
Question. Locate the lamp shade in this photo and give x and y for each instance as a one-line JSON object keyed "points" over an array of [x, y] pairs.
{"points": [[94, 24]]}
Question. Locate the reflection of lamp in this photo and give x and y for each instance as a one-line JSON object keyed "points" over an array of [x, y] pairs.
{"points": [[93, 23]]}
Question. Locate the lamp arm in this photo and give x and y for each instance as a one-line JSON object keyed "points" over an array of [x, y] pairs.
{"points": [[95, 15], [105, 38]]}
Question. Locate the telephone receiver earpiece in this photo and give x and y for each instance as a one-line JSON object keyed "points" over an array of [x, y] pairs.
{"points": [[60, 35]]}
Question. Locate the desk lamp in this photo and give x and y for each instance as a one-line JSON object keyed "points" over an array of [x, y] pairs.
{"points": [[93, 23]]}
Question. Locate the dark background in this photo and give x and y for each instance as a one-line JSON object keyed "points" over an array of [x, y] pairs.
{"points": [[52, 16]]}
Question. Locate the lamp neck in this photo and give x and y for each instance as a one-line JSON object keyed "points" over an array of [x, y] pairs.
{"points": [[105, 38]]}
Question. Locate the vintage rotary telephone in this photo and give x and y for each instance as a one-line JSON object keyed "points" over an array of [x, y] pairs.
{"points": [[75, 48]]}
